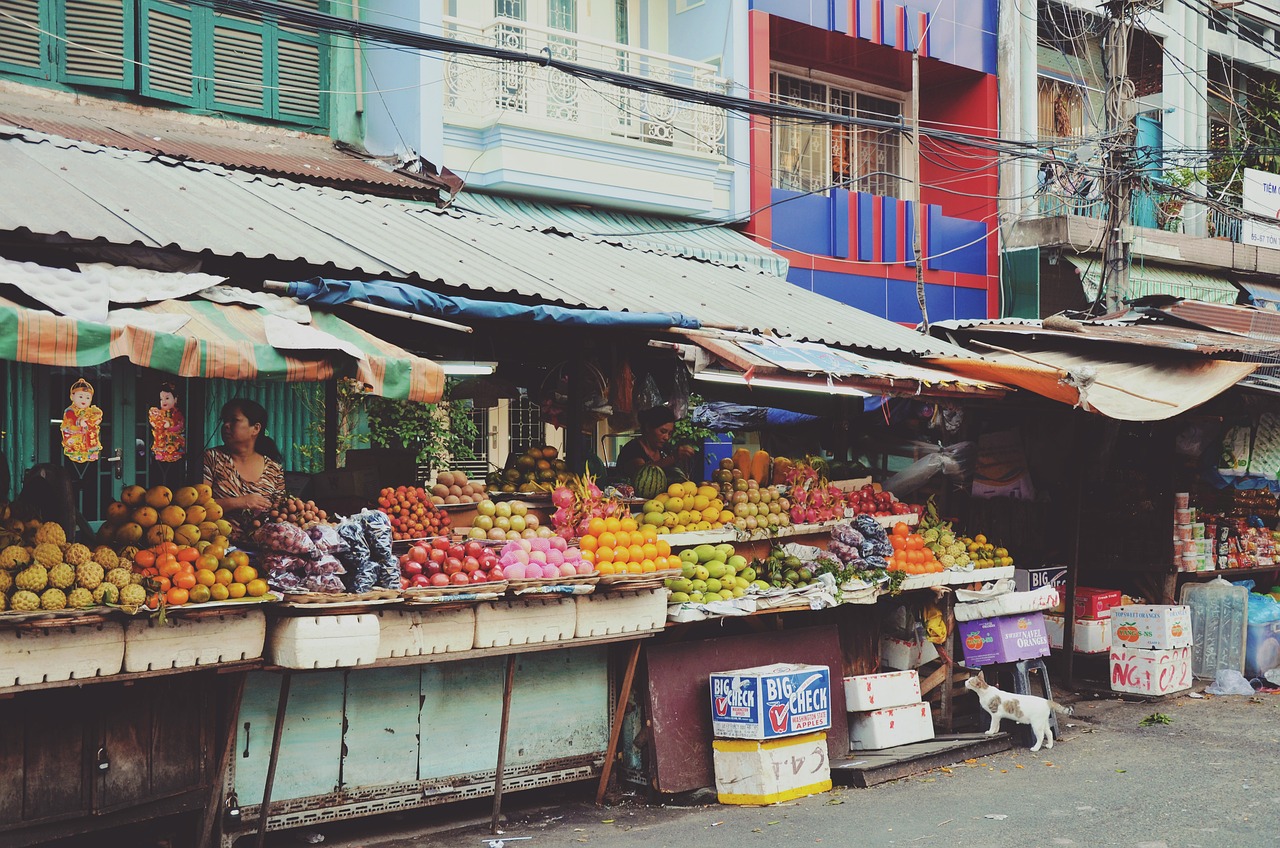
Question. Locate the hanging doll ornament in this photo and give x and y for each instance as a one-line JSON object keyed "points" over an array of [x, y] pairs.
{"points": [[82, 425], [168, 426]]}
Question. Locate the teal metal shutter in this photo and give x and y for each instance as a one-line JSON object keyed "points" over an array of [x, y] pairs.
{"points": [[99, 45], [169, 68], [301, 78], [241, 64], [23, 49], [1020, 283]]}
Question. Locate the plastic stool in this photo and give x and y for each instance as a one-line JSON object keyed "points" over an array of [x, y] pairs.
{"points": [[1022, 671]]}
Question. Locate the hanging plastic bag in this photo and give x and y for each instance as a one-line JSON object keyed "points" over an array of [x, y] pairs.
{"points": [[648, 395], [953, 461], [680, 391]]}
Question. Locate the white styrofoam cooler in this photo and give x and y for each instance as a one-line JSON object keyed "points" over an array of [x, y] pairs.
{"points": [[890, 727], [878, 691], [50, 654], [1091, 635], [324, 641], [421, 632], [527, 621], [621, 612], [185, 641]]}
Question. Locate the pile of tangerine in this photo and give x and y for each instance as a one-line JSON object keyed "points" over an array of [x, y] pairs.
{"points": [[910, 553], [179, 574], [621, 546]]}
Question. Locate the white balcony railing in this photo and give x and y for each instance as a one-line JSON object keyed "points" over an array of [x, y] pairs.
{"points": [[487, 88]]}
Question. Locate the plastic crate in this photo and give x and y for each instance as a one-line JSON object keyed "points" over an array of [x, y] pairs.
{"points": [[416, 633], [324, 641], [184, 641], [525, 622], [46, 655], [621, 612]]}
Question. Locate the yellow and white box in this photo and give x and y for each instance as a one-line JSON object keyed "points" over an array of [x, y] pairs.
{"points": [[749, 771]]}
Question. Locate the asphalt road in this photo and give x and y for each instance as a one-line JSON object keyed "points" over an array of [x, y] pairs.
{"points": [[1209, 778]]}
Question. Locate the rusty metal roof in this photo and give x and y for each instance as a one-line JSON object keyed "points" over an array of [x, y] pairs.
{"points": [[1242, 320], [248, 147], [1150, 335]]}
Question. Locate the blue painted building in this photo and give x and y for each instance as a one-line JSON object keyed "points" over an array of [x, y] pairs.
{"points": [[835, 200]]}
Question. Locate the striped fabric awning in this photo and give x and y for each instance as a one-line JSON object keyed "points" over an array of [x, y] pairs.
{"points": [[222, 341]]}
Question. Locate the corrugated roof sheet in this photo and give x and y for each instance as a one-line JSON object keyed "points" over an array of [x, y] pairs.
{"points": [[710, 242], [310, 158], [1146, 280], [52, 186], [1146, 335]]}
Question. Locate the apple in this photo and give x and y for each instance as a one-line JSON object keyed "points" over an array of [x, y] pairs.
{"points": [[519, 508], [531, 521], [421, 580], [432, 568], [470, 564], [412, 568], [473, 549], [517, 523], [503, 509], [452, 565], [477, 533], [439, 579], [438, 556], [495, 573], [460, 579], [487, 508], [419, 553], [479, 577], [441, 543]]}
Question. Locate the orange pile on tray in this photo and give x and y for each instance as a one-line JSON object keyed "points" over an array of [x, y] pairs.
{"points": [[910, 553], [621, 546], [179, 574]]}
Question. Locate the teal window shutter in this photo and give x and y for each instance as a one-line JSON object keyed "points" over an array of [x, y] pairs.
{"points": [[241, 62], [23, 48], [302, 76], [170, 70], [99, 45]]}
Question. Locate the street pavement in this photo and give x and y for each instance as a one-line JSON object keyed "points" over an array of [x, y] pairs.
{"points": [[1211, 778]]}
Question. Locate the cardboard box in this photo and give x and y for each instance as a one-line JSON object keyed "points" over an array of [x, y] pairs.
{"points": [[1004, 639], [890, 727], [1030, 579], [1151, 626], [905, 654], [879, 691], [1150, 672], [770, 701], [754, 772], [1096, 603], [1091, 636], [1262, 648]]}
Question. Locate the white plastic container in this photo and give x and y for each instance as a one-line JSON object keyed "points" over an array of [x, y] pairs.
{"points": [[615, 613], [880, 691], [421, 632], [1091, 635], [525, 621], [1219, 621], [756, 772], [50, 654], [890, 727], [184, 641], [324, 641]]}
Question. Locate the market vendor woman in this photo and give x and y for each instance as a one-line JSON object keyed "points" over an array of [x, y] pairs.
{"points": [[653, 445], [245, 472]]}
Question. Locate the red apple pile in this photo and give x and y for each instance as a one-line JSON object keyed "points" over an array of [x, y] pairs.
{"points": [[439, 562], [412, 514], [870, 501]]}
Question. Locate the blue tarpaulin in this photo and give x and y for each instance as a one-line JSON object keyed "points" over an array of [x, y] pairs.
{"points": [[407, 298], [721, 417]]}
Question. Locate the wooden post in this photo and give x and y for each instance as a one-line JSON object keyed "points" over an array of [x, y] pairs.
{"points": [[264, 810], [946, 703], [502, 742], [213, 809], [619, 714], [1073, 570]]}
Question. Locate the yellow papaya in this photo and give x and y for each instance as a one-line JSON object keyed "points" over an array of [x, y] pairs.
{"points": [[760, 467], [742, 461]]}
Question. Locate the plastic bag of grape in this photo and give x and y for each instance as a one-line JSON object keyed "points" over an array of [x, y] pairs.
{"points": [[377, 532], [361, 568]]}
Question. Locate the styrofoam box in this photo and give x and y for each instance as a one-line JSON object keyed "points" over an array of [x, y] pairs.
{"points": [[750, 771], [526, 621], [324, 641], [1091, 636], [421, 632], [1152, 626], [64, 653], [890, 727], [183, 642], [899, 653], [879, 691], [1150, 672], [621, 612]]}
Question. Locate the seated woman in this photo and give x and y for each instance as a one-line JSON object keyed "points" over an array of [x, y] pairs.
{"points": [[653, 445], [245, 472]]}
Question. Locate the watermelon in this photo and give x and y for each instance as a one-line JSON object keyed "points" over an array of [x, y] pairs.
{"points": [[650, 481]]}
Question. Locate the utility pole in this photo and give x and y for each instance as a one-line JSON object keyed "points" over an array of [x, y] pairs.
{"points": [[1118, 160], [917, 210]]}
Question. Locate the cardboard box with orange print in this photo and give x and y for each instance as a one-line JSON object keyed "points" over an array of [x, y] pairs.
{"points": [[1151, 627]]}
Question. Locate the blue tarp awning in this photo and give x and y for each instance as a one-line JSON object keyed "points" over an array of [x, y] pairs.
{"points": [[419, 301]]}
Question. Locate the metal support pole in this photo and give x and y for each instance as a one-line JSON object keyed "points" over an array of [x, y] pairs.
{"points": [[264, 810], [628, 678], [917, 211], [1118, 160], [502, 742]]}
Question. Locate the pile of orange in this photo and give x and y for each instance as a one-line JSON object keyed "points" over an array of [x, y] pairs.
{"points": [[621, 546], [910, 553], [179, 574]]}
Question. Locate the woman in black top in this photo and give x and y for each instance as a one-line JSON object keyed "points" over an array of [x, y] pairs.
{"points": [[653, 445]]}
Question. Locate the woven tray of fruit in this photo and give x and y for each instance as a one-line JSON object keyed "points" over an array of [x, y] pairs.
{"points": [[313, 599], [641, 581], [488, 587], [533, 583], [44, 619]]}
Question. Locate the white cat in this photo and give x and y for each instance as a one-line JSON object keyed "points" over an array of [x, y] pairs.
{"points": [[1024, 709]]}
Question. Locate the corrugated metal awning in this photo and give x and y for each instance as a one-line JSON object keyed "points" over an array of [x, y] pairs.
{"points": [[1146, 280], [52, 186], [712, 243]]}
